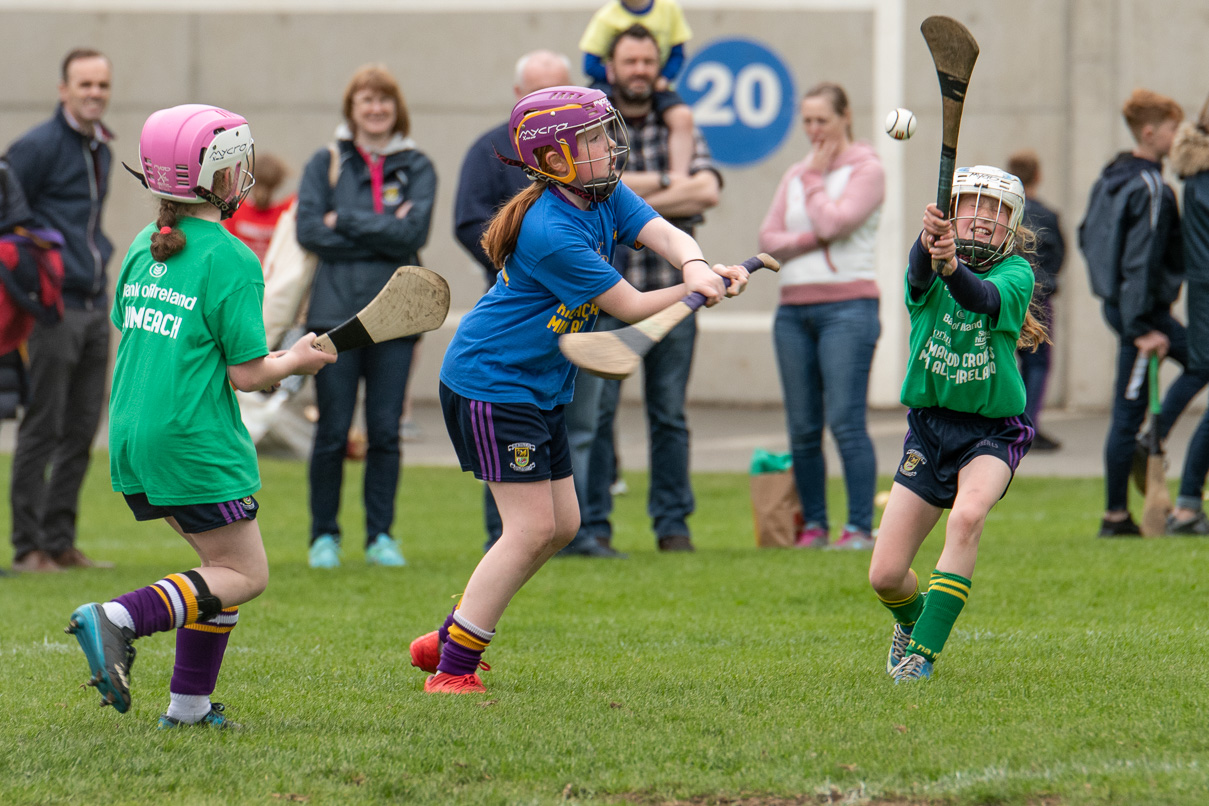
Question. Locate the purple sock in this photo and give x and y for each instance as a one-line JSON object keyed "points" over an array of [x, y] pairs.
{"points": [[443, 633], [169, 604], [199, 653], [147, 610], [458, 660]]}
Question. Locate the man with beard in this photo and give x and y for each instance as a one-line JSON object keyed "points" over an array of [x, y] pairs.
{"points": [[633, 68]]}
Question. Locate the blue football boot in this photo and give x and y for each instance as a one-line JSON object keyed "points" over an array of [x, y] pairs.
{"points": [[110, 653]]}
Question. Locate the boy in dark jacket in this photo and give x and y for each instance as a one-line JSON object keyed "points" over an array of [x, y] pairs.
{"points": [[1130, 238]]}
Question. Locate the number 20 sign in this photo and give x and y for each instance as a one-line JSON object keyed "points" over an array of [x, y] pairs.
{"points": [[742, 97]]}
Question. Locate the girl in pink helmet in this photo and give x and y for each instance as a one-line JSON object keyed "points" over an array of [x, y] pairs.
{"points": [[188, 306], [504, 382]]}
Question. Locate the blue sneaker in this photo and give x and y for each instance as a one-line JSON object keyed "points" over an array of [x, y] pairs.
{"points": [[912, 668], [384, 551], [898, 647], [110, 653], [324, 553], [213, 719]]}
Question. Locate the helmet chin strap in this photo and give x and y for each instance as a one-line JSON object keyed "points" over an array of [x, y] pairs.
{"points": [[225, 208], [588, 195]]}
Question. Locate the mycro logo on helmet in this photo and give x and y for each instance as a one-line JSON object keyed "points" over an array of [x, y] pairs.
{"points": [[217, 154], [529, 133]]}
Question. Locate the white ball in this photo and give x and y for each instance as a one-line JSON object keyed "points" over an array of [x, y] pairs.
{"points": [[900, 124]]}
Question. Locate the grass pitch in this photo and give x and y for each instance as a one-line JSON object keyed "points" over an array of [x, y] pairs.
{"points": [[1076, 675]]}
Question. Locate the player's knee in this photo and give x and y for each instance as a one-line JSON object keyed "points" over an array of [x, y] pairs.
{"points": [[885, 577], [566, 531], [256, 582], [965, 524]]}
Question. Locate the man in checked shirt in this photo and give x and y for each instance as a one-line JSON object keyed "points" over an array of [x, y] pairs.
{"points": [[633, 68]]}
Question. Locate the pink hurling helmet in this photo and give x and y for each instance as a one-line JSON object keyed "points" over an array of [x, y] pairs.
{"points": [[182, 149], [554, 117]]}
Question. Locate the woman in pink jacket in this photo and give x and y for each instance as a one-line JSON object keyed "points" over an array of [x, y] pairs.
{"points": [[822, 226]]}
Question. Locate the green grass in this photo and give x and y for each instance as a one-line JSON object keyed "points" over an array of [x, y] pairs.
{"points": [[1076, 675]]}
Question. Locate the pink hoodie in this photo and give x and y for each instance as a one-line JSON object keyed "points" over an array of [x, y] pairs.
{"points": [[823, 228]]}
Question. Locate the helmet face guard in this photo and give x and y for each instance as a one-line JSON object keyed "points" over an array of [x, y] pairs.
{"points": [[182, 151], [563, 118], [1005, 191]]}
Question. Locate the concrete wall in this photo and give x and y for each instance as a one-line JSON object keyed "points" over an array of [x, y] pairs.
{"points": [[1051, 76]]}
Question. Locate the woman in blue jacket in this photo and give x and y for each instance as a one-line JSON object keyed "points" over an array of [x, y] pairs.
{"points": [[373, 219]]}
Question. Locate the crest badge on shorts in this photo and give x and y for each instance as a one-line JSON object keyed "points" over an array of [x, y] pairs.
{"points": [[912, 460], [522, 457]]}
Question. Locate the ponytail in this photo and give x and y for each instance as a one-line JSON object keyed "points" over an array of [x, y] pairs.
{"points": [[168, 239], [1035, 330], [499, 241]]}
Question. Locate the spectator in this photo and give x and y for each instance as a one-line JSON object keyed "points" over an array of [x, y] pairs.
{"points": [[374, 220], [822, 226], [1049, 252], [633, 70], [254, 221], [1130, 237], [665, 20], [1190, 159], [484, 186], [63, 167]]}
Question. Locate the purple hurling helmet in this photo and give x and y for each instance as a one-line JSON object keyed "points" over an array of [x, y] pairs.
{"points": [[554, 118], [181, 150]]}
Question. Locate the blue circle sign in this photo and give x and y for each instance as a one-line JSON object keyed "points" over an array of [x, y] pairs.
{"points": [[742, 98]]}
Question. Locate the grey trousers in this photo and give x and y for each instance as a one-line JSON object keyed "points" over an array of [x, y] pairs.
{"points": [[67, 363]]}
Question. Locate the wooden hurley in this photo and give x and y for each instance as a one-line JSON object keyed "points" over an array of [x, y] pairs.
{"points": [[1158, 497], [615, 354], [414, 300], [954, 52]]}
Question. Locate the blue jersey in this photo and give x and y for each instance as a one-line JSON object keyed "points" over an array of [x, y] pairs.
{"points": [[506, 348]]}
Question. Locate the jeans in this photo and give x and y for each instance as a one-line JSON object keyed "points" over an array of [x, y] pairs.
{"points": [[580, 414], [1196, 467], [1127, 415], [1034, 367], [67, 374], [824, 352], [385, 368], [665, 375]]}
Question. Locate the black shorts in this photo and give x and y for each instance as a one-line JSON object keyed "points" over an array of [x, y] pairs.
{"points": [[940, 442], [507, 441], [195, 518]]}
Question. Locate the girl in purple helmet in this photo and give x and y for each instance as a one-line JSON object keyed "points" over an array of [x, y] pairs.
{"points": [[504, 382], [188, 306]]}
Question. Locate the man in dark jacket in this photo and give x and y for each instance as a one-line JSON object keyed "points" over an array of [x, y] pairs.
{"points": [[1130, 238], [63, 167], [485, 185]]}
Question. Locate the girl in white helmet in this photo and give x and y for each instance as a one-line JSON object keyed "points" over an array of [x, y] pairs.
{"points": [[189, 308], [967, 428]]}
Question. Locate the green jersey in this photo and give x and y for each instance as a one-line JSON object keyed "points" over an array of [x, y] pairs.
{"points": [[175, 433], [966, 361]]}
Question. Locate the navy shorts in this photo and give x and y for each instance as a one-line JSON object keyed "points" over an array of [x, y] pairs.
{"points": [[507, 441], [195, 518], [940, 442]]}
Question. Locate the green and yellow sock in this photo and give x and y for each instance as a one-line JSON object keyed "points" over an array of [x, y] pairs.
{"points": [[947, 594], [906, 611]]}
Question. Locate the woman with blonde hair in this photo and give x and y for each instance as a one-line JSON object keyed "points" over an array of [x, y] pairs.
{"points": [[822, 226]]}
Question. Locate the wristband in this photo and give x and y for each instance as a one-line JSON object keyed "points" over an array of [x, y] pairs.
{"points": [[692, 259]]}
